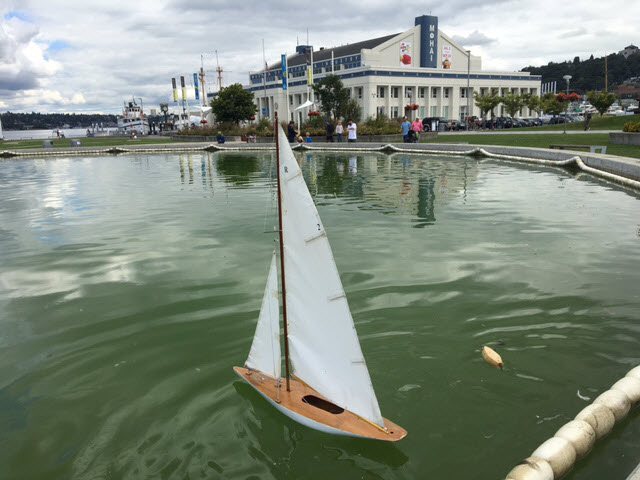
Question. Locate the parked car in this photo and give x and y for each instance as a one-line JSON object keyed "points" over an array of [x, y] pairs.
{"points": [[457, 125], [442, 124], [504, 122]]}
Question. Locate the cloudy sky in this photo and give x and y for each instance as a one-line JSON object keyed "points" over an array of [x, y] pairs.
{"points": [[91, 55]]}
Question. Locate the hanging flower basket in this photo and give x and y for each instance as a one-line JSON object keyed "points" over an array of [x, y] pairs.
{"points": [[252, 117], [314, 113], [203, 121], [572, 97], [413, 106]]}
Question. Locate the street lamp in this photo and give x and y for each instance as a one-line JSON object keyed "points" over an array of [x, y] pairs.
{"points": [[566, 110], [468, 81]]}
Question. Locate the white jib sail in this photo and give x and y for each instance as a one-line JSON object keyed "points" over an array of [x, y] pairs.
{"points": [[323, 342], [265, 349]]}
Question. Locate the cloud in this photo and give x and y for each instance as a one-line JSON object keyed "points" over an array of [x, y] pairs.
{"points": [[574, 33], [111, 51], [22, 61], [33, 97], [475, 38]]}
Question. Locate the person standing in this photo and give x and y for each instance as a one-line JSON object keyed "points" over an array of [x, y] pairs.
{"points": [[339, 131], [291, 132], [352, 131], [406, 126], [329, 128], [587, 121], [416, 126]]}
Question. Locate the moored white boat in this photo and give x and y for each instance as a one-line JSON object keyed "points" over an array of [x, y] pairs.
{"points": [[133, 121]]}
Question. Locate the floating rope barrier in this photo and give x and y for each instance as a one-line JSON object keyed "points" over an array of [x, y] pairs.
{"points": [[557, 455], [387, 148]]}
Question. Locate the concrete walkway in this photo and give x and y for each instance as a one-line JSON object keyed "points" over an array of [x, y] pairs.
{"points": [[517, 131]]}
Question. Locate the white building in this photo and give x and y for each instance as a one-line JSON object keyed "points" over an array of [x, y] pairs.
{"points": [[420, 66]]}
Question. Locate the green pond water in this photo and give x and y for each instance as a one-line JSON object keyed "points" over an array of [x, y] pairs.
{"points": [[130, 287]]}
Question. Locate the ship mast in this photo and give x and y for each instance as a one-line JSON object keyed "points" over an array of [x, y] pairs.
{"points": [[280, 233]]}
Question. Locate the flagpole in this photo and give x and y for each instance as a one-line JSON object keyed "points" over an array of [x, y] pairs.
{"points": [[264, 76]]}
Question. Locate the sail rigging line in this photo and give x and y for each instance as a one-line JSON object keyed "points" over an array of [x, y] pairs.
{"points": [[282, 276], [268, 208]]}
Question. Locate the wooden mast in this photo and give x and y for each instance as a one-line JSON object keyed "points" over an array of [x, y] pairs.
{"points": [[280, 233]]}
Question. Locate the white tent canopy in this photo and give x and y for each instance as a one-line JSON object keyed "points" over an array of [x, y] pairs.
{"points": [[306, 104]]}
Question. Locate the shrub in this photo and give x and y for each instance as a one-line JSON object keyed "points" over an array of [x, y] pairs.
{"points": [[631, 127]]}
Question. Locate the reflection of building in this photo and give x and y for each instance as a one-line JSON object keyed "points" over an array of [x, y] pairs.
{"points": [[397, 184], [420, 66]]}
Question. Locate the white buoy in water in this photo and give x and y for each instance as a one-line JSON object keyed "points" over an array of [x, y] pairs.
{"points": [[559, 453], [531, 469], [630, 386], [615, 401], [599, 417], [581, 435]]}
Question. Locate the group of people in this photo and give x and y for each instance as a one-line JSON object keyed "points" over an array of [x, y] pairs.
{"points": [[352, 132], [411, 131]]}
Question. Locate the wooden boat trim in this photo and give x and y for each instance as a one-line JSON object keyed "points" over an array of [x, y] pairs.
{"points": [[346, 423]]}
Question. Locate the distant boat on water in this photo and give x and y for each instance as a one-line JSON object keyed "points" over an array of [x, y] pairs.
{"points": [[1, 135], [133, 121]]}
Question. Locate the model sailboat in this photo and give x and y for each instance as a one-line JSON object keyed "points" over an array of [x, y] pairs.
{"points": [[329, 389]]}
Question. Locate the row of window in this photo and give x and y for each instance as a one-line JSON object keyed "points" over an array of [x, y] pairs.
{"points": [[258, 79]]}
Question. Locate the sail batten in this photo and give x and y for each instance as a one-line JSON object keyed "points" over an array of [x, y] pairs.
{"points": [[323, 341], [265, 349]]}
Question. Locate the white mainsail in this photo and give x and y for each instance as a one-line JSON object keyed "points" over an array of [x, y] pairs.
{"points": [[323, 343], [265, 349]]}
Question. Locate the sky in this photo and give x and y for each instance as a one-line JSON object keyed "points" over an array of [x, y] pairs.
{"points": [[90, 56]]}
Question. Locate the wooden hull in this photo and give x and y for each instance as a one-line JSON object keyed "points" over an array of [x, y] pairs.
{"points": [[292, 405]]}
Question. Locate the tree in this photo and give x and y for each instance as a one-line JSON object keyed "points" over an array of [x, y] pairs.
{"points": [[513, 103], [486, 103], [233, 104], [551, 105], [352, 110], [332, 95], [532, 102], [601, 100]]}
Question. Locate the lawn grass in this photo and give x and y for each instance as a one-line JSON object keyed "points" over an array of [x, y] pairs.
{"points": [[542, 141], [597, 123], [84, 142]]}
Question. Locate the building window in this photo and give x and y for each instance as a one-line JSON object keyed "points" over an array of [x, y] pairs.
{"points": [[290, 100], [422, 110], [359, 92], [395, 113], [463, 93], [408, 92], [395, 92], [434, 92], [421, 92], [381, 92], [299, 99], [380, 111], [434, 111], [445, 112], [446, 93]]}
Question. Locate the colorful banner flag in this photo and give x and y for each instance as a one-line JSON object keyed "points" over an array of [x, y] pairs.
{"points": [[184, 89], [284, 71], [175, 90], [195, 85]]}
